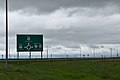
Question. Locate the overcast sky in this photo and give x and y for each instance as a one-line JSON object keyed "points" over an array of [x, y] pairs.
{"points": [[64, 23]]}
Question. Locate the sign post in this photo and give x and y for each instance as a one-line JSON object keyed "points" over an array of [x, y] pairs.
{"points": [[30, 56], [18, 60], [29, 43], [41, 55]]}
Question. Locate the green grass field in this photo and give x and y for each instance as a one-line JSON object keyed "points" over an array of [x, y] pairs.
{"points": [[62, 70]]}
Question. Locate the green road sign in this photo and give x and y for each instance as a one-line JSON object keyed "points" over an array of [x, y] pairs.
{"points": [[29, 42]]}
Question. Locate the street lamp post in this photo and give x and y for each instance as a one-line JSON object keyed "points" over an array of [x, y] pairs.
{"points": [[6, 64]]}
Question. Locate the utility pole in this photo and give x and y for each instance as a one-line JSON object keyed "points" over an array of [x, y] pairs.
{"points": [[117, 51], [47, 52], [94, 52], [2, 56], [102, 50], [6, 64], [111, 52], [80, 51], [51, 57]]}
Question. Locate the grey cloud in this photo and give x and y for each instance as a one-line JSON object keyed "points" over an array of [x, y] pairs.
{"points": [[65, 27], [51, 5], [93, 46], [59, 48], [69, 31]]}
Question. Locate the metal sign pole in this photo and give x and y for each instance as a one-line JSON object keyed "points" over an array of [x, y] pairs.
{"points": [[30, 56], [18, 60], [6, 64], [41, 55]]}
